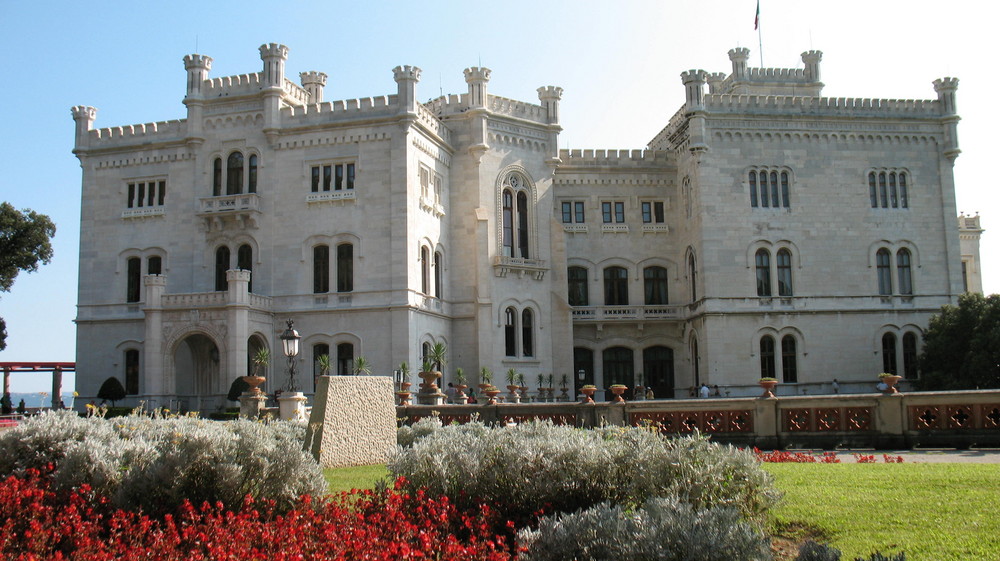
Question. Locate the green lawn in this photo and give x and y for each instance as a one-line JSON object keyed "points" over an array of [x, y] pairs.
{"points": [[361, 477], [933, 512]]}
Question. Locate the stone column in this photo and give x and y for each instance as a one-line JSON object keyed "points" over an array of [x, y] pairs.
{"points": [[56, 386]]}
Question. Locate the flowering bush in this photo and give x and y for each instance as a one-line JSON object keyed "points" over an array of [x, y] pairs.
{"points": [[784, 456], [155, 464], [540, 467], [36, 523]]}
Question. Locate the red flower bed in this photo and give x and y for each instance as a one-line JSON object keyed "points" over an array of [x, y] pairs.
{"points": [[784, 456], [35, 525]]}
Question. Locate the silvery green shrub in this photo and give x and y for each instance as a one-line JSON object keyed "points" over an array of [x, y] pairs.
{"points": [[663, 529], [812, 551], [535, 467], [154, 464]]}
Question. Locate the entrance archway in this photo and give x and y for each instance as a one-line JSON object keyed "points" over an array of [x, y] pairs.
{"points": [[197, 373]]}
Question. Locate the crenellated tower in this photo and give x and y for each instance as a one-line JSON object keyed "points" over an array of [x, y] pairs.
{"points": [[84, 116], [478, 79], [272, 81], [313, 82], [197, 67], [406, 78], [550, 96], [945, 88]]}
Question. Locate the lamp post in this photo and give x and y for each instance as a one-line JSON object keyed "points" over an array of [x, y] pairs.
{"points": [[290, 345]]}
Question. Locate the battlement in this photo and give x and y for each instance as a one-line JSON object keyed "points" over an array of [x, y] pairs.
{"points": [[618, 158], [451, 104], [519, 109], [161, 131], [332, 111], [197, 61], [243, 84], [833, 106]]}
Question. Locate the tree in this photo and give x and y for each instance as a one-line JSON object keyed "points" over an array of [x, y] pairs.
{"points": [[962, 346], [24, 243], [111, 390]]}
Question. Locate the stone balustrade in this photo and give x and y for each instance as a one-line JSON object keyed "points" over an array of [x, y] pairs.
{"points": [[958, 419]]}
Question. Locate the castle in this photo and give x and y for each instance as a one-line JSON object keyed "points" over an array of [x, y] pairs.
{"points": [[766, 231]]}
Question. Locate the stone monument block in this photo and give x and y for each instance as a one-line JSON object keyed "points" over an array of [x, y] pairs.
{"points": [[353, 421]]}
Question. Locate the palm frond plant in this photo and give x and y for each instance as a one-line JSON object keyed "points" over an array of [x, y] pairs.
{"points": [[541, 380], [437, 355], [260, 360], [511, 377], [460, 376], [520, 379], [485, 376], [427, 365], [323, 362], [361, 366], [564, 381]]}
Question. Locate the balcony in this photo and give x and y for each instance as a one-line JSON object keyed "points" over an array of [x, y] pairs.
{"points": [[230, 211], [628, 313], [346, 195], [503, 266]]}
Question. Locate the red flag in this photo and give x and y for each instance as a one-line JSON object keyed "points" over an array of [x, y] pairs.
{"points": [[756, 17]]}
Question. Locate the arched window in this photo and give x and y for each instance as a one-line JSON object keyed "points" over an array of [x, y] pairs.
{"points": [[345, 359], [784, 258], [583, 359], [244, 260], [903, 271], [883, 266], [221, 266], [234, 174], [425, 270], [789, 366], [658, 368], [154, 265], [321, 269], [522, 225], [889, 353], [510, 332], [693, 277], [320, 350], [133, 276], [910, 355], [655, 284], [252, 174], [132, 372], [767, 357], [217, 177], [345, 267], [578, 292], [438, 274], [508, 223], [615, 286], [762, 261], [527, 339], [618, 366]]}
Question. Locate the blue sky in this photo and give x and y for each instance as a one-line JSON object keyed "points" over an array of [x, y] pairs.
{"points": [[618, 63]]}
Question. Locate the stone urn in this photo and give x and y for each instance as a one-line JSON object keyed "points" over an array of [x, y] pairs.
{"points": [[524, 394], [253, 382], [429, 378], [588, 394], [890, 381], [768, 386], [404, 397], [618, 390], [514, 397], [491, 392], [460, 397]]}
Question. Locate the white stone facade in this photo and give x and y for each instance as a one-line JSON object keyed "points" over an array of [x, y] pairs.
{"points": [[383, 225]]}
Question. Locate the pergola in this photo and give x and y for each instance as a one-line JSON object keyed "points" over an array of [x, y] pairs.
{"points": [[56, 368]]}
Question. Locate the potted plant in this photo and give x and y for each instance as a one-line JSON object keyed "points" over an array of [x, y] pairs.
{"points": [[404, 384], [564, 388], [437, 355], [361, 366], [522, 387], [768, 384], [889, 380], [588, 393], [618, 390], [512, 385], [460, 385], [491, 392], [485, 378], [428, 375], [260, 361], [323, 362]]}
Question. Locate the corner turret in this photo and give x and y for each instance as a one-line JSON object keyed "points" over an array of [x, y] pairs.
{"points": [[812, 59], [477, 78], [739, 57], [274, 57], [694, 88], [313, 82], [197, 67], [715, 81], [945, 88], [406, 78], [550, 96], [84, 116]]}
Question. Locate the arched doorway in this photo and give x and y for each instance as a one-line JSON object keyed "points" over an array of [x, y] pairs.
{"points": [[198, 381], [658, 364]]}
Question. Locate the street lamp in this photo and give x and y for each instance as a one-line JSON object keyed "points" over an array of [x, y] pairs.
{"points": [[290, 345], [581, 374]]}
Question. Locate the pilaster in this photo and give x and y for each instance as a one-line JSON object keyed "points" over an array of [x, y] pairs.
{"points": [[152, 346]]}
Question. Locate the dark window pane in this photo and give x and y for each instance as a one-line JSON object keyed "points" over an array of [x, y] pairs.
{"points": [[615, 286], [784, 272], [606, 211], [889, 353], [162, 193], [345, 267], [762, 262], [763, 189], [579, 212], [583, 359], [527, 339], [510, 332], [619, 212], [252, 174], [345, 359], [883, 266], [618, 367], [578, 290], [904, 199], [658, 371], [221, 266], [131, 194], [321, 269], [132, 372], [753, 189], [903, 271], [522, 225], [234, 174], [338, 184], [425, 272], [349, 180], [872, 190], [658, 212], [784, 190], [789, 368], [438, 274], [154, 265], [244, 260], [217, 177], [133, 279], [141, 196], [910, 356], [655, 284], [767, 357], [647, 212], [567, 212], [508, 224]]}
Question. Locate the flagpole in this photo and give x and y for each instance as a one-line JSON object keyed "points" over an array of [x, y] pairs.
{"points": [[760, 40]]}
